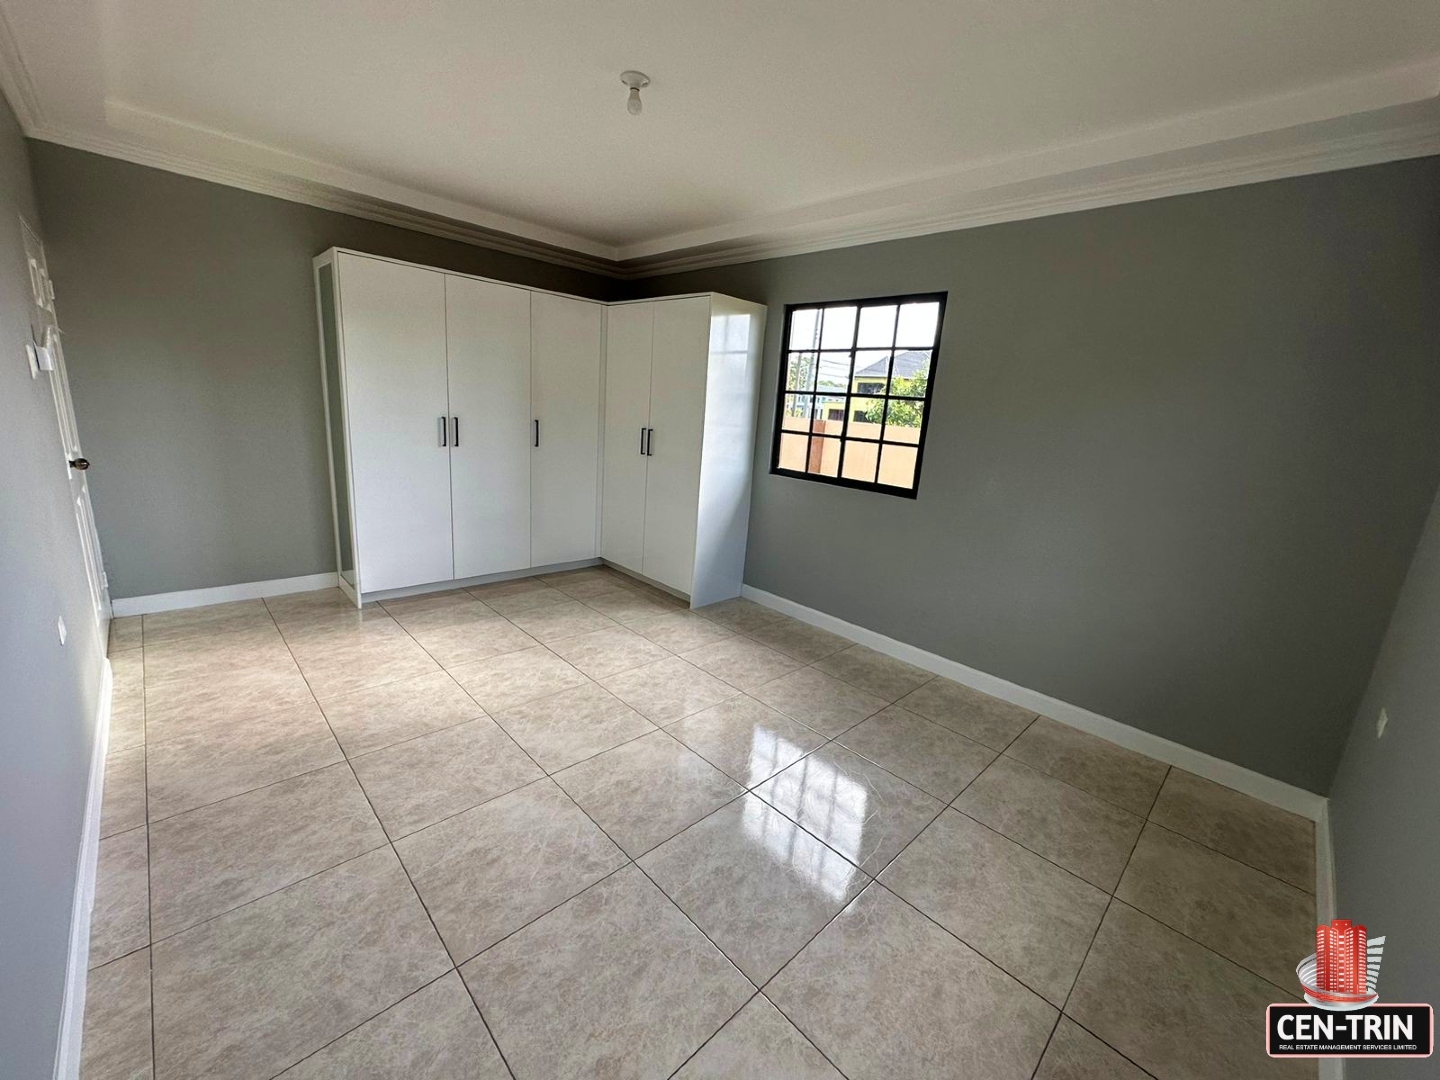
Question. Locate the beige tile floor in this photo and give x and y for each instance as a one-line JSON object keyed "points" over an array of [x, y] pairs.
{"points": [[563, 827]]}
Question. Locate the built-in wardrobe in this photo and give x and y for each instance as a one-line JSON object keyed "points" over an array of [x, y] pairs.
{"points": [[480, 430]]}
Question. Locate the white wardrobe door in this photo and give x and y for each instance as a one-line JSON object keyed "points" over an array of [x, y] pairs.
{"points": [[565, 348], [677, 426], [627, 414], [488, 336], [392, 321]]}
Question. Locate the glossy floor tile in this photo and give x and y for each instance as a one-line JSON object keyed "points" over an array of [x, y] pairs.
{"points": [[1267, 838], [758, 1044], [933, 758], [977, 716], [886, 994], [421, 781], [208, 861], [865, 813], [487, 872], [373, 719], [566, 827], [616, 982], [875, 673], [1258, 921], [646, 791], [254, 991], [746, 739], [115, 1044], [668, 690], [1029, 916], [1088, 837], [1172, 1006], [124, 805], [1075, 1054], [120, 920], [574, 724], [1129, 780], [434, 1034], [820, 701], [755, 882]]}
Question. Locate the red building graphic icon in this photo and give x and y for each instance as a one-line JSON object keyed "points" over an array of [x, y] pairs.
{"points": [[1344, 969]]}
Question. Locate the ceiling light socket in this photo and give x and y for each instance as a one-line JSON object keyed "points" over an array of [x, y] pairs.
{"points": [[636, 81]]}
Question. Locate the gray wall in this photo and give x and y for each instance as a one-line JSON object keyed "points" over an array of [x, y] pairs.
{"points": [[1181, 453], [48, 691], [1385, 804], [194, 360]]}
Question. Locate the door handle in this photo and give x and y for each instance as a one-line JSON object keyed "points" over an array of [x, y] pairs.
{"points": [[650, 442], [80, 463], [642, 442], [444, 430], [455, 437], [537, 431]]}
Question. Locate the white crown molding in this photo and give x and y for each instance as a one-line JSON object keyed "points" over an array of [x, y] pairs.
{"points": [[1346, 123], [396, 210], [1130, 148], [1062, 195]]}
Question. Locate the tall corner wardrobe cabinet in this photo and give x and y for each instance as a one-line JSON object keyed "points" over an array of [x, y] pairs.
{"points": [[474, 430]]}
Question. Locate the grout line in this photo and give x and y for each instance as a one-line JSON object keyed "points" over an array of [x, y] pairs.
{"points": [[362, 1023], [1046, 1049], [390, 843], [873, 879]]}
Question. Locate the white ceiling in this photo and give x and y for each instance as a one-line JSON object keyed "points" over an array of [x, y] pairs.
{"points": [[769, 126]]}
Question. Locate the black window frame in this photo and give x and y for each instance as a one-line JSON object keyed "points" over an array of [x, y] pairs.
{"points": [[844, 437]]}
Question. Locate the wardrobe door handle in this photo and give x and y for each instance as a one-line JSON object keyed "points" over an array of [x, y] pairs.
{"points": [[455, 437], [650, 443], [444, 429], [537, 431], [642, 442]]}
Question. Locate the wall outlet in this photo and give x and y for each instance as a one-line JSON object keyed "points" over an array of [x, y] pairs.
{"points": [[1382, 723]]}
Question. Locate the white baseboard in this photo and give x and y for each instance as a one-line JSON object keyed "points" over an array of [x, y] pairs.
{"points": [[1267, 789], [72, 1016], [222, 594]]}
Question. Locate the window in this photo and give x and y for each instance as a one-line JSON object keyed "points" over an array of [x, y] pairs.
{"points": [[855, 382]]}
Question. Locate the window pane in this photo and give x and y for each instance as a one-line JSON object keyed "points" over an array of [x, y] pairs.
{"points": [[877, 327], [824, 457], [796, 415], [804, 328], [865, 416], [835, 371], [903, 419], [860, 461], [800, 371], [829, 414], [918, 324], [792, 452], [897, 465], [910, 373], [872, 368], [837, 329]]}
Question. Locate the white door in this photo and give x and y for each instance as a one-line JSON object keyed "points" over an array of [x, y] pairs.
{"points": [[487, 329], [627, 416], [677, 428], [392, 326], [565, 347], [45, 335]]}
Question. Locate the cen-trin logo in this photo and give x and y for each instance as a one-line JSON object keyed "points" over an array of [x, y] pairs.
{"points": [[1343, 1017]]}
